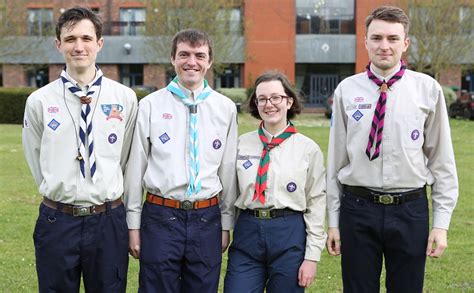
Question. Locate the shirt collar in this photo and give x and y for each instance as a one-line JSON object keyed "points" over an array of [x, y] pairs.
{"points": [[269, 136], [191, 94], [390, 75], [85, 87]]}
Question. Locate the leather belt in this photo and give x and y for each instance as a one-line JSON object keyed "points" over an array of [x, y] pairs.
{"points": [[386, 198], [269, 213], [184, 205], [80, 211]]}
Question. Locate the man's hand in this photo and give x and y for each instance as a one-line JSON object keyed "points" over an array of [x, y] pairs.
{"points": [[134, 242], [306, 273], [333, 242], [437, 242], [225, 240]]}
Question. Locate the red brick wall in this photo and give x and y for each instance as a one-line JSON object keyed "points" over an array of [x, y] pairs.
{"points": [[14, 75], [154, 75], [451, 77], [270, 38], [54, 71], [111, 71]]}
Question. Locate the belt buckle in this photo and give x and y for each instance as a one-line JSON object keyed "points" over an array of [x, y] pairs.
{"points": [[383, 199], [186, 205], [78, 211], [263, 214]]}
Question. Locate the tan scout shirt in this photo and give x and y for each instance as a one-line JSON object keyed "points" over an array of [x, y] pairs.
{"points": [[50, 142], [159, 155], [416, 144], [295, 180]]}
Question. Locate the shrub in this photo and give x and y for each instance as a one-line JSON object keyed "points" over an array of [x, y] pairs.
{"points": [[12, 104], [449, 95], [237, 95]]}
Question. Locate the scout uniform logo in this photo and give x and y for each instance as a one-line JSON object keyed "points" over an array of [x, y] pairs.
{"points": [[247, 164], [291, 187], [216, 144], [357, 115], [53, 124], [112, 111], [164, 138], [112, 138]]}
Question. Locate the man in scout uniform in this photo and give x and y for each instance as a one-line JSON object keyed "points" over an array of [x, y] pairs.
{"points": [[183, 154], [389, 138], [76, 136]]}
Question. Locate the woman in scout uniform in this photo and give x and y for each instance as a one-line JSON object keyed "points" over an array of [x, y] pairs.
{"points": [[279, 234]]}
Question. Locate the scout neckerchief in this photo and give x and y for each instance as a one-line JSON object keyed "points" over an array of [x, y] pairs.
{"points": [[194, 176], [261, 182], [379, 114], [85, 124]]}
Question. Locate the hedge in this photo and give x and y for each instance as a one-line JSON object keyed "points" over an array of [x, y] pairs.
{"points": [[12, 104]]}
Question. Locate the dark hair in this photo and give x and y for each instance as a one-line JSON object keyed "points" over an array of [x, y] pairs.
{"points": [[389, 14], [73, 15], [192, 36], [297, 105]]}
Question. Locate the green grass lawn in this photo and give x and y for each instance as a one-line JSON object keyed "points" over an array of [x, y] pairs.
{"points": [[19, 200]]}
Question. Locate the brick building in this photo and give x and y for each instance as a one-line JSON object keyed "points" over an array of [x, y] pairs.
{"points": [[316, 43]]}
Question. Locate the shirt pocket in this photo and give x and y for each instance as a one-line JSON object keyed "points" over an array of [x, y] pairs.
{"points": [[110, 138], [412, 132], [290, 184]]}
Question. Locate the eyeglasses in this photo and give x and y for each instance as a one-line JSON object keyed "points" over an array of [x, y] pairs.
{"points": [[274, 100]]}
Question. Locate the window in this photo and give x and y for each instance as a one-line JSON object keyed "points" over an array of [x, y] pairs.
{"points": [[38, 76], [131, 74], [325, 17], [229, 77], [40, 22], [232, 20], [132, 21]]}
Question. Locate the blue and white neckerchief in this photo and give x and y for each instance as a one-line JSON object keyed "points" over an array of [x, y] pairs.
{"points": [[194, 176], [85, 124]]}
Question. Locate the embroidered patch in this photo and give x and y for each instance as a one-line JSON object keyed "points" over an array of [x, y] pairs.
{"points": [[164, 138], [216, 144], [112, 138], [246, 157], [53, 110], [53, 124], [112, 111], [351, 107], [247, 164], [415, 134], [291, 187], [357, 115], [365, 106], [167, 116], [359, 99]]}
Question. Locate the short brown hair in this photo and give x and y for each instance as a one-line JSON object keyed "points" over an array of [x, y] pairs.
{"points": [[192, 36], [389, 14], [74, 15], [289, 91]]}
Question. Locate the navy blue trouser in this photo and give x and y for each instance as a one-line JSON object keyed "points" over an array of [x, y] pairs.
{"points": [[371, 232], [181, 250], [266, 254], [95, 246]]}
